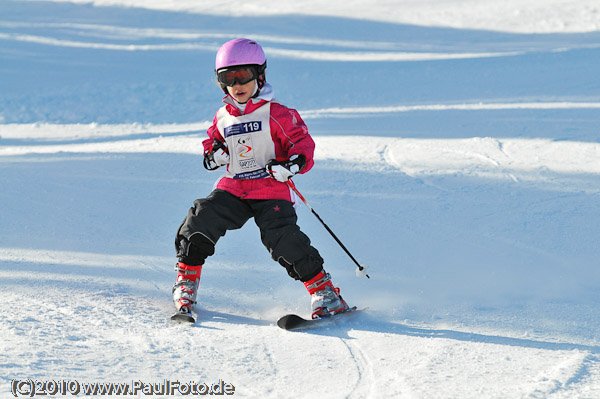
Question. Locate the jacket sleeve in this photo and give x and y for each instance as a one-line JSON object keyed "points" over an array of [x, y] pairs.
{"points": [[213, 134], [290, 135]]}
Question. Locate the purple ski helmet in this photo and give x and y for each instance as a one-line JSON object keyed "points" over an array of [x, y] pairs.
{"points": [[241, 53]]}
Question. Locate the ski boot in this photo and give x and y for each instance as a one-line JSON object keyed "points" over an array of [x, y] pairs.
{"points": [[186, 287], [325, 298]]}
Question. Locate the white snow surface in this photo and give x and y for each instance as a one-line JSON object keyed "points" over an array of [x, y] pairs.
{"points": [[458, 155], [536, 16]]}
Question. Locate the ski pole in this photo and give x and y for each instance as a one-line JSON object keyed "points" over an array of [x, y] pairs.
{"points": [[362, 270]]}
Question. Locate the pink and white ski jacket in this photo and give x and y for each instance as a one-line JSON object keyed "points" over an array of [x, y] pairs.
{"points": [[265, 130]]}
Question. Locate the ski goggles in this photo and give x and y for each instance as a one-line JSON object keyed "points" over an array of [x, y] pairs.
{"points": [[239, 75]]}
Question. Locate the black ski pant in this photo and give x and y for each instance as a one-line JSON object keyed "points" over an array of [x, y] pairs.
{"points": [[211, 217]]}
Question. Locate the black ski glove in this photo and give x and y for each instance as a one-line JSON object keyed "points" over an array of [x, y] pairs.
{"points": [[217, 156]]}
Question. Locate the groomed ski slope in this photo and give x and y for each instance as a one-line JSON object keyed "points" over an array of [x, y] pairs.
{"points": [[458, 155]]}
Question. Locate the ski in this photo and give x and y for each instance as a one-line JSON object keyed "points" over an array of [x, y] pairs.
{"points": [[293, 322], [184, 317]]}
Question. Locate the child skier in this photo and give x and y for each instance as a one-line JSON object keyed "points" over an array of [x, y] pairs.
{"points": [[263, 144]]}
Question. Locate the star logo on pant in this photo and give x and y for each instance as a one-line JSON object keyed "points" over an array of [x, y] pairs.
{"points": [[276, 208]]}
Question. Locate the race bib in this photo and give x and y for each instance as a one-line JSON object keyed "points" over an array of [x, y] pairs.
{"points": [[248, 138]]}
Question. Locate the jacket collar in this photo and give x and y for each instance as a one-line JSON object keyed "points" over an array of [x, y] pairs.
{"points": [[265, 95]]}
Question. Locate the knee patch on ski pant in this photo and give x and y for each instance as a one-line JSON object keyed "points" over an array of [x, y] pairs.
{"points": [[194, 251]]}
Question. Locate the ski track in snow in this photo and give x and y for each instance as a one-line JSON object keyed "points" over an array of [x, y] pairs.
{"points": [[468, 178], [365, 382]]}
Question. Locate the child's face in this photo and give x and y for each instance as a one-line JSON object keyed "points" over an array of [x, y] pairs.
{"points": [[242, 93]]}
